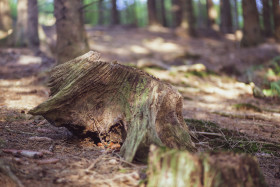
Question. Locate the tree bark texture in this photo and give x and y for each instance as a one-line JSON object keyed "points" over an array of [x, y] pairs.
{"points": [[251, 30], [32, 29], [211, 14], [20, 35], [71, 35], [226, 18], [5, 16], [163, 13], [182, 169], [115, 16], [267, 9], [276, 18], [177, 14], [152, 13], [112, 102], [188, 21]]}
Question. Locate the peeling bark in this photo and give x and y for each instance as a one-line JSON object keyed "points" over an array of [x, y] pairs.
{"points": [[112, 102]]}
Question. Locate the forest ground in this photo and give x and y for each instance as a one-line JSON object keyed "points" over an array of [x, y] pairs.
{"points": [[219, 106]]}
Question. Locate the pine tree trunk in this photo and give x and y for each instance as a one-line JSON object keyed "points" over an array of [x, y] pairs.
{"points": [[152, 13], [177, 14], [276, 17], [5, 16], [211, 15], [267, 17], [71, 35], [226, 18], [112, 102], [100, 12], [235, 12], [115, 16], [163, 13], [188, 22], [20, 34], [181, 169], [251, 30], [32, 29]]}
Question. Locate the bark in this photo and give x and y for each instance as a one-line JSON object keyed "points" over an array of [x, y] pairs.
{"points": [[276, 17], [152, 13], [177, 14], [226, 18], [211, 15], [181, 168], [5, 16], [267, 17], [32, 29], [163, 13], [71, 35], [115, 16], [20, 35], [251, 30], [112, 102], [188, 21], [100, 12], [235, 13]]}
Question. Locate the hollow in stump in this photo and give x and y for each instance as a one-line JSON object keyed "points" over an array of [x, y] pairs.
{"points": [[113, 102]]}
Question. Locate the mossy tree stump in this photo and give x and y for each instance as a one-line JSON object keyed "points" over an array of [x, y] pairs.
{"points": [[113, 102], [170, 167]]}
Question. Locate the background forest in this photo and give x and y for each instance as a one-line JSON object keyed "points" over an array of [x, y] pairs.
{"points": [[223, 56]]}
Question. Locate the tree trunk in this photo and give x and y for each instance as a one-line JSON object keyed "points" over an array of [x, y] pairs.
{"points": [[100, 12], [235, 12], [188, 22], [115, 16], [5, 16], [251, 30], [112, 102], [32, 29], [226, 18], [71, 35], [152, 13], [20, 35], [211, 15], [180, 168], [163, 13], [177, 14], [267, 17], [276, 17]]}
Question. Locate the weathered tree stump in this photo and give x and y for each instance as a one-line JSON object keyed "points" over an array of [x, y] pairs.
{"points": [[183, 169], [113, 102]]}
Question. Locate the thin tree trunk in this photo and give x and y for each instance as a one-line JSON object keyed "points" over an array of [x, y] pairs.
{"points": [[226, 18], [32, 29], [20, 36], [235, 17], [115, 16], [188, 22], [71, 35], [200, 16], [152, 13], [267, 17], [177, 14], [5, 16], [211, 15], [100, 12], [276, 17], [163, 13], [251, 30]]}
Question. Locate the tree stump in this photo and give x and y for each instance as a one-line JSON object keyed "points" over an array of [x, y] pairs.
{"points": [[183, 169], [113, 102]]}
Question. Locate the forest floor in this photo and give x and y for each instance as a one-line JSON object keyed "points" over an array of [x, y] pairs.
{"points": [[211, 73]]}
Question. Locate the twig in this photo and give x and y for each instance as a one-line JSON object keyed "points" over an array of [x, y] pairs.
{"points": [[210, 133], [19, 132]]}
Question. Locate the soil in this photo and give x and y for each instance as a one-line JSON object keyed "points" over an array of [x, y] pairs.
{"points": [[221, 95]]}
